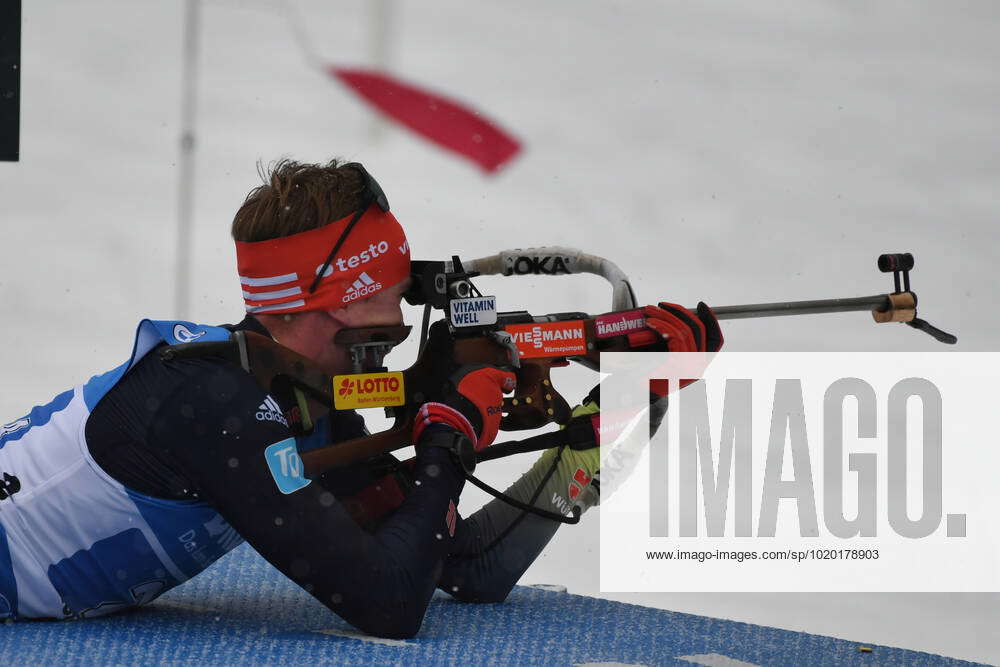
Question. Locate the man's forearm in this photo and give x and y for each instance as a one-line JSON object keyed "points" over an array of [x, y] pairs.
{"points": [[498, 543]]}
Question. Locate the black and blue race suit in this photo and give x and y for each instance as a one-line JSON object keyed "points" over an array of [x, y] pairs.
{"points": [[124, 487]]}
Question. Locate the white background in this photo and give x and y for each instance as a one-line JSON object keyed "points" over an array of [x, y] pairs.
{"points": [[726, 152]]}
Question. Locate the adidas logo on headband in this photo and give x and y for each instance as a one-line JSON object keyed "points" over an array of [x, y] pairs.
{"points": [[363, 286]]}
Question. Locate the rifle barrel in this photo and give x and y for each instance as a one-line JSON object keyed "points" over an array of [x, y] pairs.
{"points": [[875, 302]]}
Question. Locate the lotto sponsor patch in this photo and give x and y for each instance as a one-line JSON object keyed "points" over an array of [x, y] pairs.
{"points": [[618, 324], [368, 390], [549, 339]]}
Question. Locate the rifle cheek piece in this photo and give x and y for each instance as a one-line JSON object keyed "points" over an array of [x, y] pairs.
{"points": [[369, 345]]}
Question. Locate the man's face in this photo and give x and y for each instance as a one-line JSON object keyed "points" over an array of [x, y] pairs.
{"points": [[313, 332], [383, 309]]}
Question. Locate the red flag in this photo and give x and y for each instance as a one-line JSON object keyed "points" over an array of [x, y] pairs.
{"points": [[443, 121]]}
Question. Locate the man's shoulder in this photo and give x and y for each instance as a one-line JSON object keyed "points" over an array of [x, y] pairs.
{"points": [[205, 361], [155, 374]]}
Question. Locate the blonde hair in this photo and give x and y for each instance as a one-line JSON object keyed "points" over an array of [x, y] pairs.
{"points": [[297, 197]]}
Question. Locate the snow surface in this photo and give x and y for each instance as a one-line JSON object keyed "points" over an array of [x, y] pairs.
{"points": [[725, 152]]}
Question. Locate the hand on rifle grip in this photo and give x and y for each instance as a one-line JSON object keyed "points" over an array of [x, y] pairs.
{"points": [[473, 405], [674, 328]]}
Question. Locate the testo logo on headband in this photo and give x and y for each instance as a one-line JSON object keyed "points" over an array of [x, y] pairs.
{"points": [[354, 261], [276, 274]]}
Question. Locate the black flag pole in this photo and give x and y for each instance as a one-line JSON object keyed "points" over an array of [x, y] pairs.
{"points": [[10, 80]]}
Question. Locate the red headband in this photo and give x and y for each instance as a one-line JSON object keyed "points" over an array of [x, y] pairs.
{"points": [[276, 274]]}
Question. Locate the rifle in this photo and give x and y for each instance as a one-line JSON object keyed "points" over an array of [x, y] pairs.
{"points": [[475, 332]]}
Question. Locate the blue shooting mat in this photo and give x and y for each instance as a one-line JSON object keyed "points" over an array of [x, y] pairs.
{"points": [[243, 611]]}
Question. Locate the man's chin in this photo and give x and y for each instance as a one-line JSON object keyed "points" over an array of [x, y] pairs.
{"points": [[333, 364]]}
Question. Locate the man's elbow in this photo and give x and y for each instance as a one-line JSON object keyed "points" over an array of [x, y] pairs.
{"points": [[481, 594], [401, 624]]}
